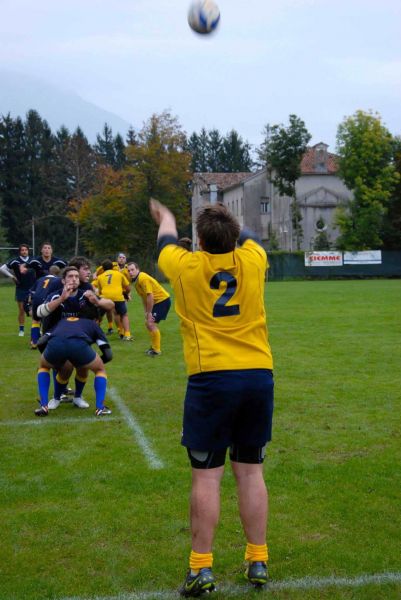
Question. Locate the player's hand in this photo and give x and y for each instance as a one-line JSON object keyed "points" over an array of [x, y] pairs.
{"points": [[91, 296], [156, 210]]}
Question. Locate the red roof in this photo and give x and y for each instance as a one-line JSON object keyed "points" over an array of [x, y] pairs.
{"points": [[222, 180], [314, 156]]}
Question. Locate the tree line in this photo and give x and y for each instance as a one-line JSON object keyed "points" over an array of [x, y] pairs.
{"points": [[93, 198]]}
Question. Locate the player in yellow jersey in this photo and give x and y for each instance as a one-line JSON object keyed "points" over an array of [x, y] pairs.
{"points": [[119, 265], [156, 302], [219, 298], [112, 284]]}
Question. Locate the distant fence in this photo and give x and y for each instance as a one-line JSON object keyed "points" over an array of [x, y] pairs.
{"points": [[334, 265]]}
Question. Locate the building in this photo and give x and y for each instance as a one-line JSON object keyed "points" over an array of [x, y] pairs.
{"points": [[256, 202]]}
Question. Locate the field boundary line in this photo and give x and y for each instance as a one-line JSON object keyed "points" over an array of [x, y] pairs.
{"points": [[153, 460], [46, 421], [305, 583]]}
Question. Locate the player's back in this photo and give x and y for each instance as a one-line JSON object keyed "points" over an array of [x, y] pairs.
{"points": [[220, 301], [111, 285]]}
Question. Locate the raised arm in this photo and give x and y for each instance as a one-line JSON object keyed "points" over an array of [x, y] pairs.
{"points": [[164, 218]]}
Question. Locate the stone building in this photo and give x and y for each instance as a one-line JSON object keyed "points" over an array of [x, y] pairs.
{"points": [[256, 202]]}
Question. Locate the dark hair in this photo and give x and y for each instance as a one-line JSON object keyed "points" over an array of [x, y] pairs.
{"points": [[23, 246], [218, 230], [79, 261], [131, 262], [107, 265], [185, 242], [46, 244], [67, 270]]}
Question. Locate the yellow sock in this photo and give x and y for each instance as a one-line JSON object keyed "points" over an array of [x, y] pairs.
{"points": [[127, 333], [200, 561], [155, 337], [110, 324], [255, 553]]}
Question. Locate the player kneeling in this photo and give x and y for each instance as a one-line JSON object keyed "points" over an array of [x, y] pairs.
{"points": [[69, 345]]}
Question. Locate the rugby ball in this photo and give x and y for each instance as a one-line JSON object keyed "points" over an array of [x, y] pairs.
{"points": [[203, 16]]}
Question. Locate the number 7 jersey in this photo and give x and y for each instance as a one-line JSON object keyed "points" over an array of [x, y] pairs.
{"points": [[219, 299]]}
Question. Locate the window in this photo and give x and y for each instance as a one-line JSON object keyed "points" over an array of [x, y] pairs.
{"points": [[264, 207]]}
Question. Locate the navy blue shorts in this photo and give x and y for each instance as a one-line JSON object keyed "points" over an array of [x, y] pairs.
{"points": [[225, 408], [160, 310], [76, 350], [120, 307], [21, 295]]}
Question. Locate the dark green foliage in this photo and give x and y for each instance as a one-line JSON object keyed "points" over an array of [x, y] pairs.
{"points": [[366, 150], [391, 230], [213, 153], [281, 152]]}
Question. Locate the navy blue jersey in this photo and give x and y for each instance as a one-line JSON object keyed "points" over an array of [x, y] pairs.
{"points": [[85, 329], [72, 306], [42, 266], [24, 280], [44, 286]]}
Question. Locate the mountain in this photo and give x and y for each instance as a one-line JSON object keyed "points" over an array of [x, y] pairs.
{"points": [[20, 93]]}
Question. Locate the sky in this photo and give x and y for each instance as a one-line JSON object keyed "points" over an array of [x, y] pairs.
{"points": [[319, 59]]}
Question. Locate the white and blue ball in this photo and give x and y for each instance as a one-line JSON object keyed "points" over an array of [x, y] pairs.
{"points": [[203, 16]]}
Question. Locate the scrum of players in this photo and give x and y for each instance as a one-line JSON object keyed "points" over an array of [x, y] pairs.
{"points": [[67, 307]]}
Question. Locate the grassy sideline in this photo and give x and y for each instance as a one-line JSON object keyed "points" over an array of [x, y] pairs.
{"points": [[83, 514]]}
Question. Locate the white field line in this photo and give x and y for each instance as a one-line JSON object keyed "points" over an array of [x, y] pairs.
{"points": [[142, 441], [50, 420], [306, 583]]}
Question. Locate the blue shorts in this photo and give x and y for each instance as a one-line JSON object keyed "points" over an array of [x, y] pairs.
{"points": [[76, 350], [21, 295], [120, 307], [225, 408], [160, 310]]}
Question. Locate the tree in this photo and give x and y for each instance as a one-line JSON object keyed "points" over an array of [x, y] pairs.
{"points": [[236, 154], [391, 231], [104, 147], [80, 162], [13, 191], [282, 152], [158, 166], [214, 151], [365, 148], [197, 146]]}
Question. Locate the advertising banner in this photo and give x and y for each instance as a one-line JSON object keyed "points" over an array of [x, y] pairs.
{"points": [[365, 257], [329, 258]]}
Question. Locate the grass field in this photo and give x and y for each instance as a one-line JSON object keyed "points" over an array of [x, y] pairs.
{"points": [[98, 508]]}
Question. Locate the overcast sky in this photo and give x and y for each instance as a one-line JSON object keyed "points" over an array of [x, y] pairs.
{"points": [[319, 59]]}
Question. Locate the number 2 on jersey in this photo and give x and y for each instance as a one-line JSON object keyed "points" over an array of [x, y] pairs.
{"points": [[220, 308]]}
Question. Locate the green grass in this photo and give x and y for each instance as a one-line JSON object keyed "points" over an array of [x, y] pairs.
{"points": [[83, 515]]}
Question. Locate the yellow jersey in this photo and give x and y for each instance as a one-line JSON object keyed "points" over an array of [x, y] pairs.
{"points": [[100, 270], [111, 284], [219, 299], [145, 284]]}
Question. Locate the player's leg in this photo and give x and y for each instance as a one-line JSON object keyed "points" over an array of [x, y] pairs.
{"points": [[159, 313], [204, 517], [253, 509], [21, 317], [81, 377], [155, 338], [60, 381], [207, 414], [100, 384], [43, 379], [121, 309], [251, 432], [109, 316]]}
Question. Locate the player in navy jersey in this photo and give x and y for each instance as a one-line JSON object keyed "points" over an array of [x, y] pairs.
{"points": [[68, 346], [45, 285], [80, 301], [42, 263], [18, 269]]}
